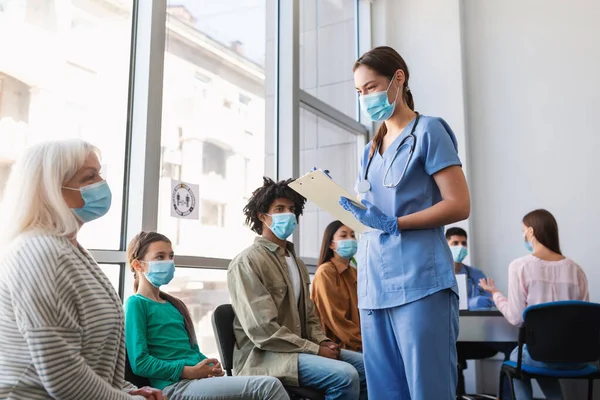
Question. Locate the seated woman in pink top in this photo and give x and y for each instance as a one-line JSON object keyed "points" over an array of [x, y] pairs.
{"points": [[541, 277]]}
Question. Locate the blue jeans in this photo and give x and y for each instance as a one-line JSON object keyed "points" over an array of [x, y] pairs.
{"points": [[228, 387], [550, 386], [339, 379]]}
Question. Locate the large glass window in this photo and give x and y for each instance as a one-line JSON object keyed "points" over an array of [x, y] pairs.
{"points": [[213, 120], [65, 70], [113, 272], [202, 290], [328, 51], [329, 147], [64, 73]]}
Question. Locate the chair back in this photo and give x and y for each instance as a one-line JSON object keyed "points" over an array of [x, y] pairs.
{"points": [[562, 331], [222, 322], [137, 380]]}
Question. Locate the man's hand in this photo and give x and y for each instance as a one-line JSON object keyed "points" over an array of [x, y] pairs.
{"points": [[481, 302], [330, 350], [148, 392]]}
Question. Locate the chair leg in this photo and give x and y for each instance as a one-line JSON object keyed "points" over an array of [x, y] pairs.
{"points": [[503, 376], [590, 389], [511, 385]]}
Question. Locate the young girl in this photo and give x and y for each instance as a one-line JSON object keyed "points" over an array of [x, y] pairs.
{"points": [[160, 338]]}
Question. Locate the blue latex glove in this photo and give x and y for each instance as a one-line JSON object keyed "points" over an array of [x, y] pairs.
{"points": [[481, 302], [325, 171], [372, 216]]}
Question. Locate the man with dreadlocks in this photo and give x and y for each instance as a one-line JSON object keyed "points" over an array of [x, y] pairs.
{"points": [[276, 328]]}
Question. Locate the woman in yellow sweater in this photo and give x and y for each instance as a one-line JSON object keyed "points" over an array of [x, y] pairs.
{"points": [[334, 287]]}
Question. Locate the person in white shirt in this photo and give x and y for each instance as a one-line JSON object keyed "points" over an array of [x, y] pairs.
{"points": [[545, 275]]}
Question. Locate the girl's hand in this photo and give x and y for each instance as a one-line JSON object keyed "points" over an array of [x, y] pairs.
{"points": [[217, 370]]}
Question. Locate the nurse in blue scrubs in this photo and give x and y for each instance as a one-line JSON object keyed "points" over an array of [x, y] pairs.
{"points": [[411, 184]]}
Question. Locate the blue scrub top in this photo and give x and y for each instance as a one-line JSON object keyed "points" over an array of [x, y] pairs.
{"points": [[396, 270], [474, 275]]}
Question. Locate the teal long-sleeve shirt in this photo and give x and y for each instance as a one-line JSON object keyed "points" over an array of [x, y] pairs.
{"points": [[157, 343]]}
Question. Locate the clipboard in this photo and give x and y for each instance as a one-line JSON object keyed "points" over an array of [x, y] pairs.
{"points": [[463, 298], [319, 188]]}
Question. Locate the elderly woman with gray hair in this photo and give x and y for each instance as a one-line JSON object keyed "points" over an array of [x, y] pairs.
{"points": [[61, 322]]}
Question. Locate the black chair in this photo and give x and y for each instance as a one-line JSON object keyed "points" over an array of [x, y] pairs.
{"points": [[222, 321], [557, 332], [137, 380]]}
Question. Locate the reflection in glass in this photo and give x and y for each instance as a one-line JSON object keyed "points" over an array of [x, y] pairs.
{"points": [[64, 70], [328, 51], [213, 132], [112, 271], [326, 146], [202, 290]]}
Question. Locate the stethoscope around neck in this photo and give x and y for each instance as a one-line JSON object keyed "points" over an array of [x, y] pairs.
{"points": [[364, 186]]}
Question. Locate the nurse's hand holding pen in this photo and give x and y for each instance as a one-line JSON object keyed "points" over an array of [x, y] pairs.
{"points": [[371, 216]]}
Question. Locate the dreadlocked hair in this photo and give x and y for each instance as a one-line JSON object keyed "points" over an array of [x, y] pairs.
{"points": [[264, 196]]}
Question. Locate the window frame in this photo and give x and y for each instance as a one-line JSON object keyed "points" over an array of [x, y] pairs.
{"points": [[143, 131]]}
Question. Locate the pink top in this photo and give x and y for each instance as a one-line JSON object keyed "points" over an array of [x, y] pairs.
{"points": [[533, 281]]}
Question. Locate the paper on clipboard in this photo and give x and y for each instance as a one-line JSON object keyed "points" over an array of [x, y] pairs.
{"points": [[463, 298], [325, 193]]}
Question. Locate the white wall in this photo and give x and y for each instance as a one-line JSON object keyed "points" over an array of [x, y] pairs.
{"points": [[533, 92], [427, 34], [526, 76], [519, 81]]}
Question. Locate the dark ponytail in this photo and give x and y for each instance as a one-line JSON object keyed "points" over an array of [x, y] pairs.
{"points": [[137, 249], [386, 61]]}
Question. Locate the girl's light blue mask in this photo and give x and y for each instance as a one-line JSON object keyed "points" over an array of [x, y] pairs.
{"points": [[160, 272], [346, 248], [376, 106], [97, 199], [283, 225], [459, 253]]}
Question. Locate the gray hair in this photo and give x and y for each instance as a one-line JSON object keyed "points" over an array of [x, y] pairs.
{"points": [[33, 200]]}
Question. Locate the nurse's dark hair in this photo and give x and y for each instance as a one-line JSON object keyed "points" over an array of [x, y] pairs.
{"points": [[264, 196], [455, 231], [545, 228], [136, 250], [326, 253], [386, 61]]}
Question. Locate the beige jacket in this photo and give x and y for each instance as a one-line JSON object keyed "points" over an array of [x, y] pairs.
{"points": [[270, 328]]}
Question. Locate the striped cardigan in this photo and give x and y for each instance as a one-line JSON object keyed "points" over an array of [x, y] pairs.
{"points": [[61, 324]]}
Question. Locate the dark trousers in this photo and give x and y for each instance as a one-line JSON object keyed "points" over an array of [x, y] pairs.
{"points": [[478, 351]]}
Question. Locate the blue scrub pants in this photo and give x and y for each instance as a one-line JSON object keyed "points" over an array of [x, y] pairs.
{"points": [[410, 350]]}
